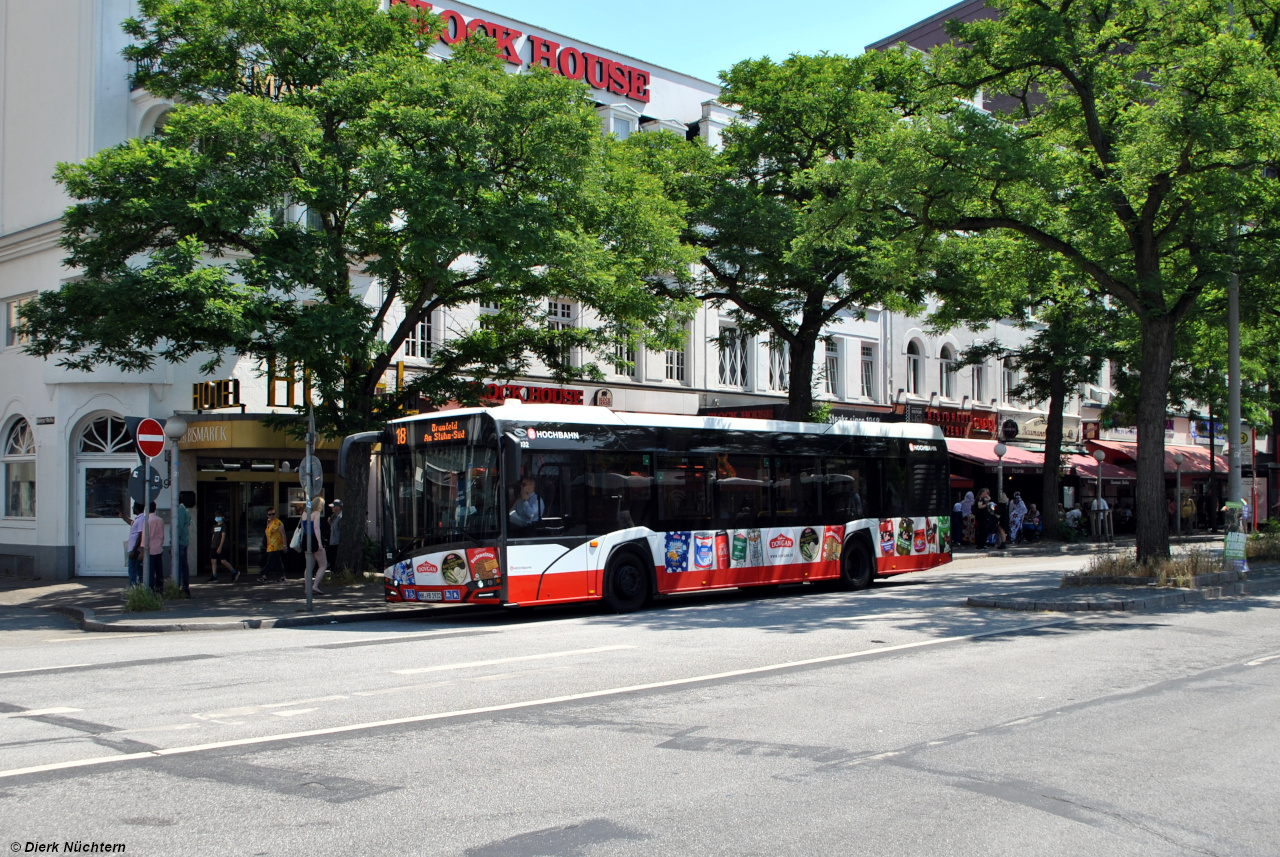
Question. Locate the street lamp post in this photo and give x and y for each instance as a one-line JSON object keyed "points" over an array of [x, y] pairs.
{"points": [[1098, 456], [1178, 458], [1000, 450], [174, 428]]}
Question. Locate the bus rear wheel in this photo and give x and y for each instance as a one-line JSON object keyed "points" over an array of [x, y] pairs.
{"points": [[626, 583], [857, 567]]}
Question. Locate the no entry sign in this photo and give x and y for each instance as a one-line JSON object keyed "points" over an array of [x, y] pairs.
{"points": [[150, 438]]}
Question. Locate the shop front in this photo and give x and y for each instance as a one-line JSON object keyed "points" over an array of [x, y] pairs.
{"points": [[977, 462], [239, 468], [1204, 476]]}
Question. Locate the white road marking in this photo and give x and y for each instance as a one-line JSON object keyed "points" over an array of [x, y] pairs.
{"points": [[496, 661], [398, 689], [176, 727], [254, 709], [36, 712], [1258, 661], [294, 712], [44, 669], [515, 706], [90, 636]]}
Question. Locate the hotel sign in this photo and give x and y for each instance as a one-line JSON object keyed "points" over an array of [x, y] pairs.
{"points": [[598, 71]]}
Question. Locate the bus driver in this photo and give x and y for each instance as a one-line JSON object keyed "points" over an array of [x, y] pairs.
{"points": [[527, 508]]}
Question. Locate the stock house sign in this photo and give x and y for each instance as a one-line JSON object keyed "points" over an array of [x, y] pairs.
{"points": [[599, 72]]}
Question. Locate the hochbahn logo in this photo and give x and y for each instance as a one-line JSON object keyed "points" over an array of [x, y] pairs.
{"points": [[534, 434], [922, 447], [782, 540]]}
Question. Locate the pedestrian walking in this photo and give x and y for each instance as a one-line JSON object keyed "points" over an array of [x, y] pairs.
{"points": [[1001, 511], [982, 518], [313, 540], [184, 545], [1188, 514], [155, 549], [1017, 513], [335, 524], [220, 549], [968, 535], [135, 548], [275, 547]]}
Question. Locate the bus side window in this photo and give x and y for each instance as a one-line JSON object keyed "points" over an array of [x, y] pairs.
{"points": [[618, 491], [558, 480], [844, 490], [683, 483], [795, 491], [742, 483]]}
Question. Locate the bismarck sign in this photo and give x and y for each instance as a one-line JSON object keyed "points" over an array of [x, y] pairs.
{"points": [[599, 72]]}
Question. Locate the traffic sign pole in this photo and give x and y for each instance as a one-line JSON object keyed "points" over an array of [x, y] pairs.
{"points": [[148, 434], [310, 531]]}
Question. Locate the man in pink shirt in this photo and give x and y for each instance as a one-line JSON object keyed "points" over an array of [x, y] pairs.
{"points": [[155, 549]]}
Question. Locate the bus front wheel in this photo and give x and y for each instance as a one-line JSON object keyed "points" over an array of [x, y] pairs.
{"points": [[626, 583], [857, 569]]}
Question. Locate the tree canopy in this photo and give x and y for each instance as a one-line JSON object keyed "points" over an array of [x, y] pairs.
{"points": [[1134, 148], [323, 185]]}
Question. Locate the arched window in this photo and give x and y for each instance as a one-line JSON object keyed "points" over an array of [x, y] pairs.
{"points": [[20, 471], [107, 435], [946, 373], [915, 368]]}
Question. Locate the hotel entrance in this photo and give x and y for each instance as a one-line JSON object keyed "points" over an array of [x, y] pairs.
{"points": [[241, 490], [240, 469]]}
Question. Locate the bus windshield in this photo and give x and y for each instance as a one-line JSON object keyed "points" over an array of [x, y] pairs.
{"points": [[444, 494]]}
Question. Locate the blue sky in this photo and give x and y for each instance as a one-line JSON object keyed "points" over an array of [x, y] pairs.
{"points": [[702, 38]]}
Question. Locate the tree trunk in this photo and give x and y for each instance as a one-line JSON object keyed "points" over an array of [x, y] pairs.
{"points": [[800, 384], [1153, 393], [1053, 451], [355, 512]]}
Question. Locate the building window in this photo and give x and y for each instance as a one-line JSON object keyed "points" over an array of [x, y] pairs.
{"points": [[869, 372], [1010, 375], [915, 368], [831, 370], [12, 319], [624, 359], [107, 435], [622, 127], [421, 336], [489, 305], [947, 374], [20, 471], [675, 364], [560, 317], [779, 364], [733, 357], [980, 383]]}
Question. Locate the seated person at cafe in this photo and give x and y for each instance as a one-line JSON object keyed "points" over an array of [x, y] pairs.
{"points": [[1032, 524], [527, 508]]}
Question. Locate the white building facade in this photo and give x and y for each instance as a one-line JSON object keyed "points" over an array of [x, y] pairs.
{"points": [[65, 93]]}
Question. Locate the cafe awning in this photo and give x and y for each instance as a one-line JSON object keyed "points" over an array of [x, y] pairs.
{"points": [[1195, 458], [1016, 459], [1086, 467]]}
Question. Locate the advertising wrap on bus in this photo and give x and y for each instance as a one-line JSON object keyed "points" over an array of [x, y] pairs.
{"points": [[541, 504]]}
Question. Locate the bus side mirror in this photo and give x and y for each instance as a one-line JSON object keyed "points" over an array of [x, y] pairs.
{"points": [[362, 437]]}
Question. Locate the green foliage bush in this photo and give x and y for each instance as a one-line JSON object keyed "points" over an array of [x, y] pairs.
{"points": [[141, 599]]}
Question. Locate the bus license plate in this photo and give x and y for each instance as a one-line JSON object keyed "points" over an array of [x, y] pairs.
{"points": [[430, 596]]}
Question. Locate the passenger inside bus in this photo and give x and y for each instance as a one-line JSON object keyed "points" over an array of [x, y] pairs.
{"points": [[527, 507]]}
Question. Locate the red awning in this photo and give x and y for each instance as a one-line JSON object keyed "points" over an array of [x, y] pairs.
{"points": [[960, 482], [1086, 467], [1195, 458], [984, 452]]}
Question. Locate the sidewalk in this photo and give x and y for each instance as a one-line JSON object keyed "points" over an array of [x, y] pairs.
{"points": [[95, 604]]}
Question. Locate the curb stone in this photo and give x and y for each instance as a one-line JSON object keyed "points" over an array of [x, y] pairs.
{"points": [[1146, 602], [86, 620]]}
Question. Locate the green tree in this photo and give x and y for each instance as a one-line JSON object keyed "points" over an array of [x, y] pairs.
{"points": [[324, 185], [991, 277], [762, 254], [1136, 145]]}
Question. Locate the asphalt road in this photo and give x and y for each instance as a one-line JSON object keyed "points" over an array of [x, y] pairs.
{"points": [[891, 721]]}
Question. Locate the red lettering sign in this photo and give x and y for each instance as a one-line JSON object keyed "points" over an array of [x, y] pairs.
{"points": [[538, 395], [599, 72], [544, 52]]}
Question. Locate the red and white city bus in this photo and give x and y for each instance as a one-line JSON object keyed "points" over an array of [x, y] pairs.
{"points": [[546, 504]]}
